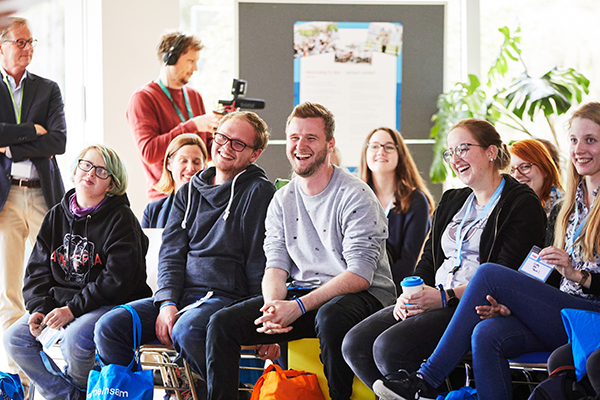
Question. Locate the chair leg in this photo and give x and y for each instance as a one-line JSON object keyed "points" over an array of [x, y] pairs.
{"points": [[188, 372]]}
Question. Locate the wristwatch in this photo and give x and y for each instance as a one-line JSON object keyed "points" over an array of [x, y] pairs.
{"points": [[584, 278], [452, 299]]}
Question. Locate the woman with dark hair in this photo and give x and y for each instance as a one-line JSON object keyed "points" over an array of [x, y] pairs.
{"points": [[532, 164], [89, 256], [388, 168], [494, 218], [185, 156], [504, 313]]}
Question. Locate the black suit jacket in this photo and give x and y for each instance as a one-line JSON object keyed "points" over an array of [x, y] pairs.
{"points": [[42, 104]]}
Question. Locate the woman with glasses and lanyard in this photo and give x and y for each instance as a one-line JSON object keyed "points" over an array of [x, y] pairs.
{"points": [[388, 168], [89, 256], [532, 164], [504, 313], [494, 218]]}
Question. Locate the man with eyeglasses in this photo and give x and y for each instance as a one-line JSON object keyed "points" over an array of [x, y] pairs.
{"points": [[211, 253], [32, 132], [167, 107], [326, 234]]}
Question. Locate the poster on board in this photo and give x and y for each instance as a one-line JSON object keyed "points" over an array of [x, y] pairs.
{"points": [[355, 70]]}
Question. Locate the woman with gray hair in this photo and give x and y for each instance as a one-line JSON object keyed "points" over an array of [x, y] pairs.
{"points": [[89, 256]]}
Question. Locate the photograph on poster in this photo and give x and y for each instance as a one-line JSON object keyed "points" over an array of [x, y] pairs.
{"points": [[355, 69]]}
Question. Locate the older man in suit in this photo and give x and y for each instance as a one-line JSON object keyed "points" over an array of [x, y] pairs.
{"points": [[32, 132]]}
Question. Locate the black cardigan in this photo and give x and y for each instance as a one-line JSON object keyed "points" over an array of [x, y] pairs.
{"points": [[515, 225]]}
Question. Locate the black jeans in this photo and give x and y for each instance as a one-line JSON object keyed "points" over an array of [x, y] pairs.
{"points": [[233, 326], [380, 345]]}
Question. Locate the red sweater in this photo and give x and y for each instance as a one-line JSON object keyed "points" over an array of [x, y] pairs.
{"points": [[154, 123]]}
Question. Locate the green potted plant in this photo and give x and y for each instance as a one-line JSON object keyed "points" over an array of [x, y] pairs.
{"points": [[507, 98]]}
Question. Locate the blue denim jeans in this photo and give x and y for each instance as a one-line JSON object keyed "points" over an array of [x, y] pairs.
{"points": [[535, 324], [77, 347], [114, 331]]}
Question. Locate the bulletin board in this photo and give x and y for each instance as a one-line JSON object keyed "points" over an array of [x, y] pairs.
{"points": [[266, 60]]}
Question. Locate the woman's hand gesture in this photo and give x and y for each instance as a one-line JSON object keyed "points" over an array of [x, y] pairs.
{"points": [[495, 309]]}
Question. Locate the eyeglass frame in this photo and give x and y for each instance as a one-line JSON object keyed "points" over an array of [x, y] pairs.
{"points": [[95, 168], [379, 146], [32, 42], [448, 153], [518, 168], [231, 142]]}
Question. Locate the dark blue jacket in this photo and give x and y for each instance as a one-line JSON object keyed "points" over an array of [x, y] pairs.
{"points": [[407, 233], [156, 213], [214, 239], [42, 104]]}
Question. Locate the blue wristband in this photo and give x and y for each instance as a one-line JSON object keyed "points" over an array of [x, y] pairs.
{"points": [[443, 294], [301, 305], [167, 303]]}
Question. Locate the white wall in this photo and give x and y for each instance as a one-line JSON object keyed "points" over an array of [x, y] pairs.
{"points": [[111, 51]]}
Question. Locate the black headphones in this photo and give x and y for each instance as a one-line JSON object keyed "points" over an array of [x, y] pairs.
{"points": [[171, 56]]}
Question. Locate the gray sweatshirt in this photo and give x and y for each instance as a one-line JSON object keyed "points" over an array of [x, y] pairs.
{"points": [[343, 228]]}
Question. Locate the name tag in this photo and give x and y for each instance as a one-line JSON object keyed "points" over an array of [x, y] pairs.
{"points": [[50, 336], [22, 169], [534, 267], [195, 304]]}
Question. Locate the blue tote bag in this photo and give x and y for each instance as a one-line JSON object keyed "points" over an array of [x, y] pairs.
{"points": [[114, 382], [10, 387]]}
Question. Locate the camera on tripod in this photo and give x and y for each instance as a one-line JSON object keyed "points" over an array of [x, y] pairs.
{"points": [[238, 90]]}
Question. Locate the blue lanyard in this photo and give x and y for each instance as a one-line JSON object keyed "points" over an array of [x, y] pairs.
{"points": [[460, 234], [17, 109], [389, 207], [578, 229], [187, 101]]}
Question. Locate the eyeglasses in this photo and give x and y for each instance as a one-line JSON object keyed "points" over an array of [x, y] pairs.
{"points": [[459, 151], [87, 166], [524, 168], [21, 43], [237, 145], [374, 147]]}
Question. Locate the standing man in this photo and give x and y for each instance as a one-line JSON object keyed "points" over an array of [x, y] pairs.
{"points": [[211, 253], [165, 108], [326, 233], [32, 132]]}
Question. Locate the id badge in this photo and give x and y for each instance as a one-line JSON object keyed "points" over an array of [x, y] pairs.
{"points": [[534, 267]]}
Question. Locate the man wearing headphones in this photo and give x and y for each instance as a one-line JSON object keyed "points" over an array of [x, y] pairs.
{"points": [[165, 108]]}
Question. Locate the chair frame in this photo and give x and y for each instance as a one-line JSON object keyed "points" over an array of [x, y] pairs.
{"points": [[168, 369]]}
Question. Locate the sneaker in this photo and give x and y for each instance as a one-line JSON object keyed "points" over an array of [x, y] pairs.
{"points": [[402, 386]]}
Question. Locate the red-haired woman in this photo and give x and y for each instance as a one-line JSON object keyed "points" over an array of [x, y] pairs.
{"points": [[532, 164]]}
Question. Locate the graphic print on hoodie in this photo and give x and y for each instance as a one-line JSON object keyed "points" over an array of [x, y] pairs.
{"points": [[76, 257]]}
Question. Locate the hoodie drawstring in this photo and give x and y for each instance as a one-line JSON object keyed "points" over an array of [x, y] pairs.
{"points": [[189, 201], [226, 213], [188, 205]]}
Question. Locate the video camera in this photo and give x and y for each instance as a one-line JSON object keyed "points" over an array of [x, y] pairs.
{"points": [[238, 90]]}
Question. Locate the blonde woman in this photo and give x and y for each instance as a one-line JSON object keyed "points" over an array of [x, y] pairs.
{"points": [[185, 156]]}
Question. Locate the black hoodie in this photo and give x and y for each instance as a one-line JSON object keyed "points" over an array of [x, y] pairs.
{"points": [[214, 236], [89, 262]]}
